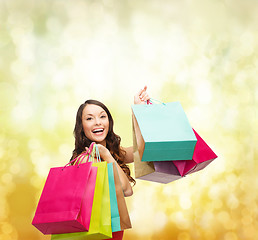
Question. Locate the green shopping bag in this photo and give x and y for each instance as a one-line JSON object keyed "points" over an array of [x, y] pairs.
{"points": [[165, 132], [100, 223]]}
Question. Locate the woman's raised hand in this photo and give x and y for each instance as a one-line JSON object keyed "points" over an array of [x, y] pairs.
{"points": [[104, 153], [142, 96]]}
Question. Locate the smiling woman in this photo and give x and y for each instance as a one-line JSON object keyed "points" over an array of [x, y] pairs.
{"points": [[94, 123]]}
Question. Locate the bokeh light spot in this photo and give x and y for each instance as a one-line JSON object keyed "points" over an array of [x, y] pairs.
{"points": [[160, 219], [6, 228], [7, 178], [185, 201], [184, 236], [230, 236], [15, 168]]}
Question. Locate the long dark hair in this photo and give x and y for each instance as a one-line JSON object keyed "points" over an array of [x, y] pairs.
{"points": [[112, 139]]}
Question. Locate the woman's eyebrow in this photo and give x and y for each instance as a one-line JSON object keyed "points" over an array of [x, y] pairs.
{"points": [[93, 114]]}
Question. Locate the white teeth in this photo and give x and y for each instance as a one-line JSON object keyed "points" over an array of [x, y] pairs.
{"points": [[98, 130]]}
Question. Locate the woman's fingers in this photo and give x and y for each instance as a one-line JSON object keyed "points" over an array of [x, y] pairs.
{"points": [[142, 96], [86, 148], [142, 91]]}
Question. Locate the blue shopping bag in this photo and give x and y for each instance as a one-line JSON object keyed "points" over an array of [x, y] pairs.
{"points": [[115, 218], [165, 132]]}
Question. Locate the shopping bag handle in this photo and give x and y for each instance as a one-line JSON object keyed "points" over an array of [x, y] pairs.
{"points": [[94, 152], [87, 153], [97, 153], [152, 101], [90, 154], [81, 157]]}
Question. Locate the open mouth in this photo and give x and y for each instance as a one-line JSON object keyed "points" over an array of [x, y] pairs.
{"points": [[98, 130]]}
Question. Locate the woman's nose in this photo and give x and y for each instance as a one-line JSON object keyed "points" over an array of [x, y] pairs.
{"points": [[97, 121]]}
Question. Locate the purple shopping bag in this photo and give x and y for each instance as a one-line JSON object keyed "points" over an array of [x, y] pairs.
{"points": [[66, 200]]}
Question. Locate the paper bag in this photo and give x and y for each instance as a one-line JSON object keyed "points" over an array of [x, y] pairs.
{"points": [[66, 200], [166, 132]]}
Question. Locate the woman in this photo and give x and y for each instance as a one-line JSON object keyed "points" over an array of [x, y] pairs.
{"points": [[94, 123]]}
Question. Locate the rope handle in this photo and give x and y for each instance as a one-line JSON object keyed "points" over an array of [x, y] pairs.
{"points": [[95, 152], [88, 153], [152, 101], [92, 150]]}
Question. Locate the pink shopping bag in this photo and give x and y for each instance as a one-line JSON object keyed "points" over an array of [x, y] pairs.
{"points": [[66, 201], [202, 156]]}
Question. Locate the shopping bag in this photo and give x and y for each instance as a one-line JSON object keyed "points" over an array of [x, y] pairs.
{"points": [[161, 171], [115, 218], [100, 223], [166, 132], [203, 156], [66, 200], [125, 221], [116, 236]]}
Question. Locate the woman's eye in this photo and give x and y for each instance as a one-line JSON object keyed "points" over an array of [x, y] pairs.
{"points": [[89, 118], [103, 116]]}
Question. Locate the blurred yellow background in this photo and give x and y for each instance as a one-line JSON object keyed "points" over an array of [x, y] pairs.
{"points": [[204, 53]]}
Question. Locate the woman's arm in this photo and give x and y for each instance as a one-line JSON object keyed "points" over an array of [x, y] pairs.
{"points": [[140, 98], [106, 156], [128, 154]]}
